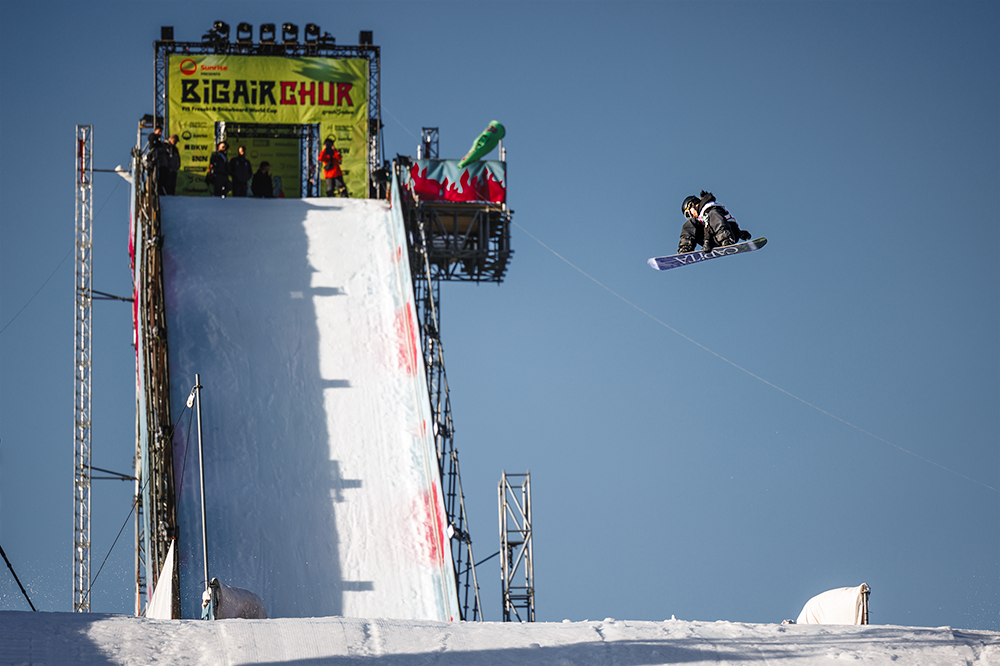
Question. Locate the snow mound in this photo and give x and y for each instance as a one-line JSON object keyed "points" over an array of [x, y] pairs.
{"points": [[84, 639]]}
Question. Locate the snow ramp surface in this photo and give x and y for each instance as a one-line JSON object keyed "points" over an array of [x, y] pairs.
{"points": [[321, 481]]}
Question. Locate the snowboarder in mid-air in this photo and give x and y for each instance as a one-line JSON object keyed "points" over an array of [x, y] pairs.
{"points": [[709, 224]]}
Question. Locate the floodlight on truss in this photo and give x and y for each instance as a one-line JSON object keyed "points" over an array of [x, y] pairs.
{"points": [[244, 33], [218, 34], [289, 33], [311, 33]]}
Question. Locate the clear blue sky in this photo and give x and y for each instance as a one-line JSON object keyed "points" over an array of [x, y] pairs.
{"points": [[719, 442]]}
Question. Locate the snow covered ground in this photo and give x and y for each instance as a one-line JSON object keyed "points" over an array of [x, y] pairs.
{"points": [[321, 476], [84, 639], [298, 317]]}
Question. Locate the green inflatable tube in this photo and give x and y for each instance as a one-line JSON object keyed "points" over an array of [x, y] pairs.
{"points": [[486, 142]]}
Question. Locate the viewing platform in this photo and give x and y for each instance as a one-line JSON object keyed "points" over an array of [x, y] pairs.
{"points": [[463, 215]]}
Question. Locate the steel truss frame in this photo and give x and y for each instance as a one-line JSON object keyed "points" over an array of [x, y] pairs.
{"points": [[323, 49], [427, 295], [462, 242], [156, 517], [516, 548], [306, 134], [466, 242], [429, 140], [82, 362]]}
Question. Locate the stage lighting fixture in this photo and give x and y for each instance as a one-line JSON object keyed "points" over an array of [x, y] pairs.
{"points": [[219, 34], [267, 33], [289, 33], [312, 33], [166, 33], [365, 38], [244, 33]]}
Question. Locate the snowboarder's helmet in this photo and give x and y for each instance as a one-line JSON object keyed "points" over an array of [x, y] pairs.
{"points": [[688, 202]]}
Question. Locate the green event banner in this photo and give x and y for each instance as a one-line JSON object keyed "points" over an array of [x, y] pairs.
{"points": [[206, 89]]}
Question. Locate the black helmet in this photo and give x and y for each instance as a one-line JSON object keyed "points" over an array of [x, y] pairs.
{"points": [[687, 202]]}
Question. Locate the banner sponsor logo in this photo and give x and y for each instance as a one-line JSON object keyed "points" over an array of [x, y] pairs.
{"points": [[223, 91], [331, 93]]}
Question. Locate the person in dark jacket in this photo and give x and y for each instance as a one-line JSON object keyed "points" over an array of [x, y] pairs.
{"points": [[169, 177], [241, 171], [262, 187], [709, 224], [218, 169], [158, 154]]}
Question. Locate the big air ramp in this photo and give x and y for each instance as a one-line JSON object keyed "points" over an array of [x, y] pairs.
{"points": [[321, 482]]}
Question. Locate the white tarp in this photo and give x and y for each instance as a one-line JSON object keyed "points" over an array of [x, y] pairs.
{"points": [[322, 487], [161, 605], [844, 605], [234, 602]]}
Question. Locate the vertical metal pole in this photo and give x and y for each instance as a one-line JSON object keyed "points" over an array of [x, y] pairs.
{"points": [[529, 559], [83, 299], [137, 554], [201, 469], [504, 550]]}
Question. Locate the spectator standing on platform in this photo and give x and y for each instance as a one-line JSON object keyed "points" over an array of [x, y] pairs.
{"points": [[154, 141], [157, 154], [169, 177], [218, 170], [330, 157], [241, 172], [262, 187]]}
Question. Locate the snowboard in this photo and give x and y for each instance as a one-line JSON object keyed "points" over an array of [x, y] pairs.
{"points": [[678, 260]]}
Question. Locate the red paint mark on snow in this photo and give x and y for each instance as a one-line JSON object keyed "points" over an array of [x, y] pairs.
{"points": [[433, 527], [406, 334], [135, 331]]}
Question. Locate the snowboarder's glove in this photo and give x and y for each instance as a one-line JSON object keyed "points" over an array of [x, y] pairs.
{"points": [[744, 235]]}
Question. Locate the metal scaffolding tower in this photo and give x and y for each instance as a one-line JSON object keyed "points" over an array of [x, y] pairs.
{"points": [[464, 242], [515, 547], [156, 516], [83, 301], [427, 294], [428, 148], [218, 43]]}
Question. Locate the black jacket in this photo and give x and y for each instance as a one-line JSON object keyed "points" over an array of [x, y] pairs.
{"points": [[219, 166], [240, 169], [262, 187], [173, 156]]}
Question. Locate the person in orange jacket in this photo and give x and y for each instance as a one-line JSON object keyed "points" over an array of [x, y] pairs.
{"points": [[330, 157]]}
